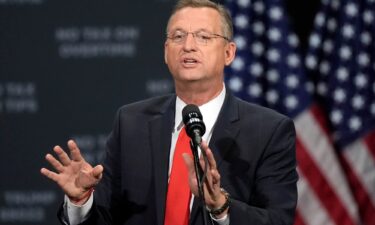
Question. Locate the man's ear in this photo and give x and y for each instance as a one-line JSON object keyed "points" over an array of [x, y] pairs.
{"points": [[230, 53], [165, 52]]}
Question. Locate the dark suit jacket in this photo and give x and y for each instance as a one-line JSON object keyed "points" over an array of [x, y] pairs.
{"points": [[254, 148]]}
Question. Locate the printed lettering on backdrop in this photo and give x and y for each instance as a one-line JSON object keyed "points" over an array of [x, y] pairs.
{"points": [[64, 73]]}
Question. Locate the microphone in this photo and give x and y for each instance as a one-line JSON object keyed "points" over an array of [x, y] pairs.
{"points": [[195, 129], [193, 121]]}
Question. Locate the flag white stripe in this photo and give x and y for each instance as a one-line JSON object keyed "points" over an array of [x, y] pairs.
{"points": [[309, 205], [320, 149], [360, 159]]}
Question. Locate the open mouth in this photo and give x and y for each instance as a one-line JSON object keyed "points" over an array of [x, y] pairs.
{"points": [[190, 61]]}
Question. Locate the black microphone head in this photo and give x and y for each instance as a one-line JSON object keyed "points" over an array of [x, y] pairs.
{"points": [[193, 120]]}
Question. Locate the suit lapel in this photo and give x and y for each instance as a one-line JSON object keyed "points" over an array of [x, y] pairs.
{"points": [[225, 129], [224, 132], [160, 136]]}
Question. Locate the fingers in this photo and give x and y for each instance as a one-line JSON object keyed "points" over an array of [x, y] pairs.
{"points": [[55, 163], [215, 179], [75, 153], [64, 158], [189, 163], [212, 182], [193, 183], [215, 176], [211, 167], [210, 156], [51, 175]]}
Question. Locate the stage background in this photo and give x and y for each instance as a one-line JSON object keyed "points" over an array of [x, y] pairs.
{"points": [[65, 68]]}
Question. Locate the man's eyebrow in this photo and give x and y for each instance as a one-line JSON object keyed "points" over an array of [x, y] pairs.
{"points": [[177, 29], [204, 30], [182, 30]]}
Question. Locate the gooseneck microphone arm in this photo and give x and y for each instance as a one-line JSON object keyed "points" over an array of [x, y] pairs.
{"points": [[195, 129]]}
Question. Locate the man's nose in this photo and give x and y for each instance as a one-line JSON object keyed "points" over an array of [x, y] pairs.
{"points": [[189, 43]]}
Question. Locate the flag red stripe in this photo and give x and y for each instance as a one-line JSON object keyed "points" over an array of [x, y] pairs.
{"points": [[366, 207], [321, 187], [370, 142], [320, 117], [298, 219]]}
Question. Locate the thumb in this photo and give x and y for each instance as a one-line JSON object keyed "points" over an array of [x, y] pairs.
{"points": [[97, 171]]}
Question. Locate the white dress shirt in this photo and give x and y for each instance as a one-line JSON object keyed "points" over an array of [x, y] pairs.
{"points": [[210, 111]]}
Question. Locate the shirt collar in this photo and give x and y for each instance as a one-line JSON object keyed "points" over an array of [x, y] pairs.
{"points": [[210, 111]]}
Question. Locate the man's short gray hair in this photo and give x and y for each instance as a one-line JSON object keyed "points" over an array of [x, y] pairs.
{"points": [[226, 20]]}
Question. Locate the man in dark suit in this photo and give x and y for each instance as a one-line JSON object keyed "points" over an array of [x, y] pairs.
{"points": [[251, 176]]}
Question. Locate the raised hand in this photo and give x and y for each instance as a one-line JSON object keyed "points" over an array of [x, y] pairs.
{"points": [[214, 197], [74, 175]]}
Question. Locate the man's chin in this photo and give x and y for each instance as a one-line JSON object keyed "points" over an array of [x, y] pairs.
{"points": [[190, 76]]}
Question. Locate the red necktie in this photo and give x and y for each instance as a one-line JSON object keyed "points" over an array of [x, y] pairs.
{"points": [[178, 195]]}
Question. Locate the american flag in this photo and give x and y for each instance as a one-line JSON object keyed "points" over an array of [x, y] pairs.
{"points": [[330, 94]]}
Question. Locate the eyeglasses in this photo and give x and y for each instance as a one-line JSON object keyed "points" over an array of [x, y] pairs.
{"points": [[200, 37]]}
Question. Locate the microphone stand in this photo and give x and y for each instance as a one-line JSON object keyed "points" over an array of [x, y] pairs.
{"points": [[201, 175]]}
